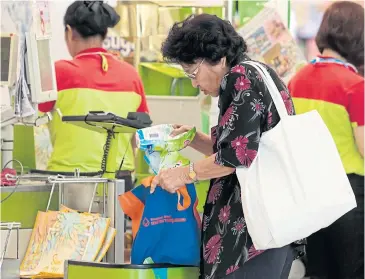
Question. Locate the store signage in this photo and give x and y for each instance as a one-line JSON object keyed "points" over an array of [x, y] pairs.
{"points": [[119, 45]]}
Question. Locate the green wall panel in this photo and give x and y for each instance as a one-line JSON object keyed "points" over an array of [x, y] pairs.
{"points": [[23, 206]]}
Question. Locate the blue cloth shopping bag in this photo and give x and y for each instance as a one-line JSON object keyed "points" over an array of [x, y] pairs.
{"points": [[166, 227]]}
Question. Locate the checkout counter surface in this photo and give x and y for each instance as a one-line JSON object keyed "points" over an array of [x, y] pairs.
{"points": [[77, 270]]}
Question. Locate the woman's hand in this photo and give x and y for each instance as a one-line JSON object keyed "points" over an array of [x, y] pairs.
{"points": [[171, 179], [180, 129], [201, 142]]}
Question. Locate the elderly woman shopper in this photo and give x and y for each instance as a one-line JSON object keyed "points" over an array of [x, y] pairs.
{"points": [[333, 84], [212, 54]]}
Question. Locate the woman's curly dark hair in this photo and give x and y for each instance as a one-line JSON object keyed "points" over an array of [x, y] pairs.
{"points": [[203, 36]]}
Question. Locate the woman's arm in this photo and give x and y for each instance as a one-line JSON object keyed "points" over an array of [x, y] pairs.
{"points": [[202, 143], [62, 76], [172, 179], [359, 138], [355, 109], [208, 169]]}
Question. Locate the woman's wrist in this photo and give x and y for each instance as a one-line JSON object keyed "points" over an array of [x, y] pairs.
{"points": [[186, 177]]}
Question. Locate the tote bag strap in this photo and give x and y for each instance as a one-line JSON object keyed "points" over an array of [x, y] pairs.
{"points": [[273, 90]]}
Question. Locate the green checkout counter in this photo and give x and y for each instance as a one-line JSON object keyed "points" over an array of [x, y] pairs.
{"points": [[78, 270]]}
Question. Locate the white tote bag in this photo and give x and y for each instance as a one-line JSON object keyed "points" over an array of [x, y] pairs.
{"points": [[297, 184]]}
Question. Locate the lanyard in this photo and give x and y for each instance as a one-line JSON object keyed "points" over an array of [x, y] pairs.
{"points": [[334, 61]]}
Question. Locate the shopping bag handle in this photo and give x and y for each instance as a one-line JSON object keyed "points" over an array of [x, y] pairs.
{"points": [[182, 192], [186, 202]]}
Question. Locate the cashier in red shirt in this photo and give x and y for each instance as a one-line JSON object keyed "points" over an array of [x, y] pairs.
{"points": [[332, 85], [93, 80]]}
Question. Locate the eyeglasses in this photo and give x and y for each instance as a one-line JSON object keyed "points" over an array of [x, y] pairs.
{"points": [[195, 72]]}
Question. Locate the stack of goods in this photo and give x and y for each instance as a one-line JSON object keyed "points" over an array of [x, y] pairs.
{"points": [[65, 235]]}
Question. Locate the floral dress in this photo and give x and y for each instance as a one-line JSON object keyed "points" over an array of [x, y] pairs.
{"points": [[246, 111]]}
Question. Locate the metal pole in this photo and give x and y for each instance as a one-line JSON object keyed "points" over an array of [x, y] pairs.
{"points": [[115, 253], [7, 145]]}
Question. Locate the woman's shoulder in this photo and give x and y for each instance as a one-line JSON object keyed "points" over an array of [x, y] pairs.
{"points": [[249, 73], [66, 66], [329, 76], [242, 69], [68, 74], [122, 68], [126, 67], [246, 68], [354, 80], [357, 86]]}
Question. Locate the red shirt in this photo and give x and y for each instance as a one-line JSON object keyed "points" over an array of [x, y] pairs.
{"points": [[337, 93], [331, 83], [85, 71]]}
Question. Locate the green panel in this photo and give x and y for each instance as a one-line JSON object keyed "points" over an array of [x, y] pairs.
{"points": [[205, 122], [142, 168], [218, 11], [187, 11], [202, 188], [159, 79], [23, 206], [206, 104], [24, 148], [98, 271], [248, 9]]}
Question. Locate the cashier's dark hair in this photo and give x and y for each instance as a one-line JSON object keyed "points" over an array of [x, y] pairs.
{"points": [[203, 36], [91, 18], [342, 30]]}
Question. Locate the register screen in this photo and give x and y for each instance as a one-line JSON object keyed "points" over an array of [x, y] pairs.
{"points": [[5, 58]]}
